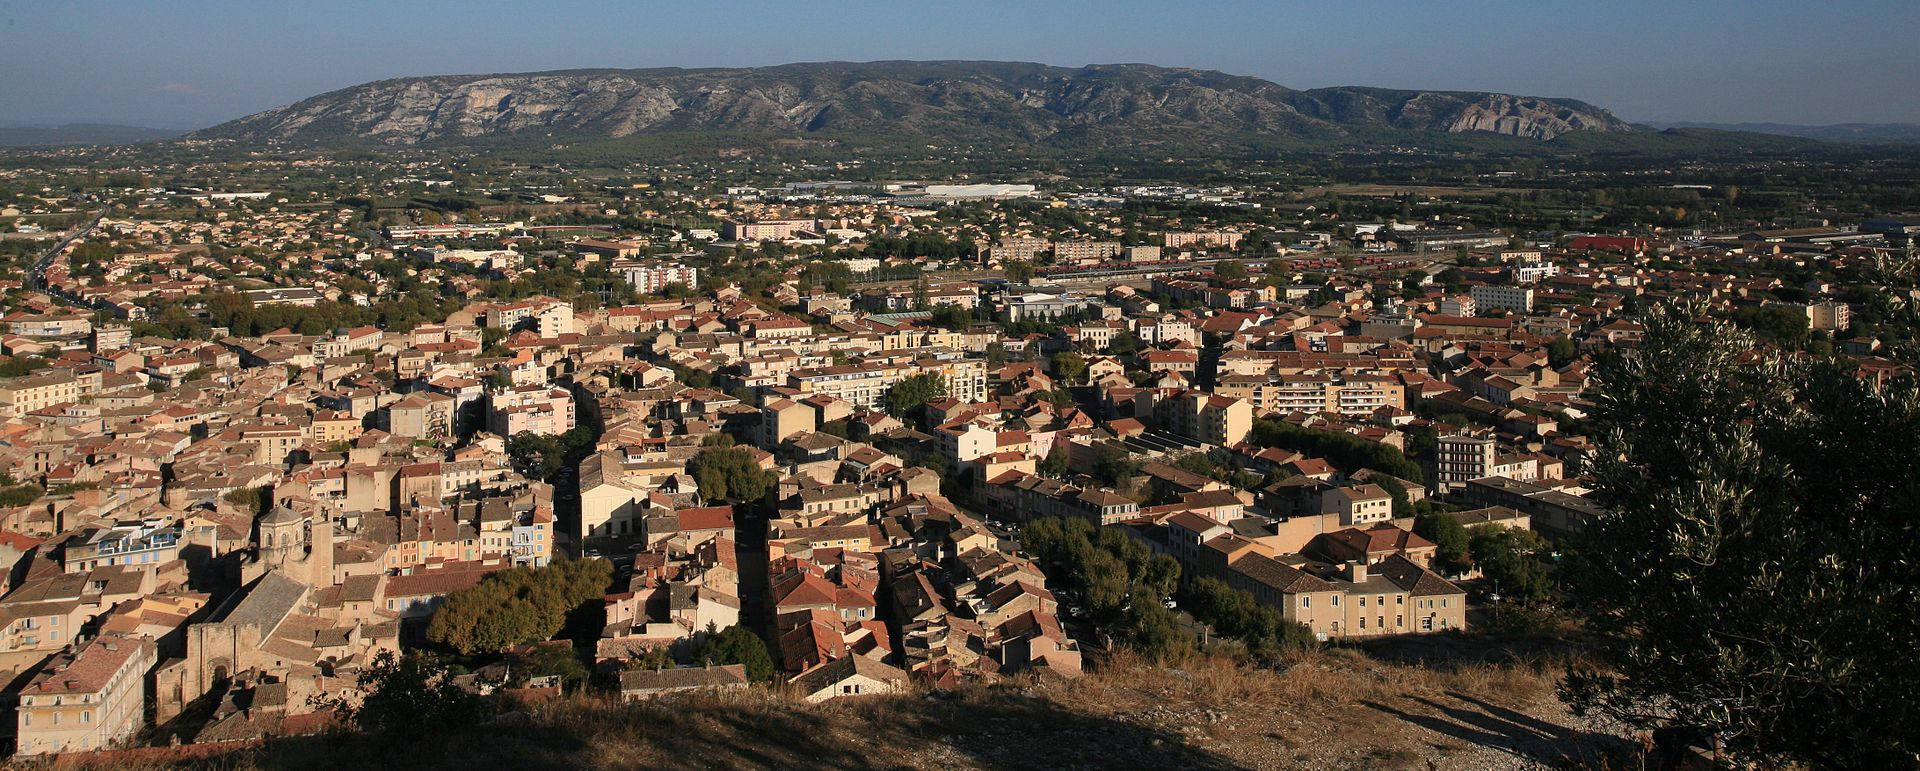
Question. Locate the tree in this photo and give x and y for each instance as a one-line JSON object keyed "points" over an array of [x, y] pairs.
{"points": [[1510, 558], [1019, 271], [553, 659], [1125, 344], [1450, 536], [954, 317], [728, 473], [410, 697], [518, 606], [911, 392], [1752, 580], [657, 657], [1054, 465], [1341, 449], [1230, 269], [1561, 352], [738, 645], [1069, 366]]}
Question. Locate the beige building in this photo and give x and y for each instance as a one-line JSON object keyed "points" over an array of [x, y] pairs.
{"points": [[865, 384], [1218, 420], [36, 392], [538, 409], [1393, 596], [88, 698], [1829, 316], [1358, 505], [1357, 396]]}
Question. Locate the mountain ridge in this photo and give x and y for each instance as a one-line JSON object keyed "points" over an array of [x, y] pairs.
{"points": [[1110, 104], [1828, 132]]}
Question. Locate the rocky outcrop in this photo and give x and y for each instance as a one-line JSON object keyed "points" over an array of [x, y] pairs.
{"points": [[944, 101]]}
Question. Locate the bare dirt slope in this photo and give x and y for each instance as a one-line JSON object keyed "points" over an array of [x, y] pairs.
{"points": [[1333, 710]]}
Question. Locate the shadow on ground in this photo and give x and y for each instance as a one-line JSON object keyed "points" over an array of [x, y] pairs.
{"points": [[1479, 722], [1003, 729]]}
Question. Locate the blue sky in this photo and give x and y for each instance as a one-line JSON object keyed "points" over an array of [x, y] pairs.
{"points": [[190, 63]]}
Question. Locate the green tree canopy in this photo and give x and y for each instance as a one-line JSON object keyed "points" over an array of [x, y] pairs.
{"points": [[1511, 559], [1451, 538], [412, 697], [908, 394], [1345, 450], [1561, 351], [1753, 579], [1069, 366], [518, 606], [738, 645], [728, 473]]}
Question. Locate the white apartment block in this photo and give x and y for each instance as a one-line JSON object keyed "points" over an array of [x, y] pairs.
{"points": [[1514, 298]]}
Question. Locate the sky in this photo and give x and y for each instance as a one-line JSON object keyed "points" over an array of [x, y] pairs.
{"points": [[194, 63]]}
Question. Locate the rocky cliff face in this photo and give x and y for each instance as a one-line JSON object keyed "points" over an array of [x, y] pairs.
{"points": [[937, 100]]}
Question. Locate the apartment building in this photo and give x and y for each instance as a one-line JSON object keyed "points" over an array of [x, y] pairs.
{"points": [[88, 698], [137, 545], [1829, 316], [648, 278], [1217, 420], [1513, 298], [1076, 252], [1024, 249], [767, 230], [865, 384], [20, 396], [1208, 239], [1359, 505], [548, 318], [535, 408], [1355, 395], [1462, 457]]}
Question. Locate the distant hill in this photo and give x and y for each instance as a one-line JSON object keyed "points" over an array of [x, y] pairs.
{"points": [[1837, 132], [81, 134], [945, 102]]}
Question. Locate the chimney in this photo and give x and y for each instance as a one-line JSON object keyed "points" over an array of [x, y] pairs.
{"points": [[1357, 571]]}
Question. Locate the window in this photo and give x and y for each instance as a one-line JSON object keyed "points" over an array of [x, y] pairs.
{"points": [[86, 716], [1426, 624], [1306, 602], [1381, 621], [1363, 602], [1399, 599], [1399, 621], [1334, 600], [1363, 622]]}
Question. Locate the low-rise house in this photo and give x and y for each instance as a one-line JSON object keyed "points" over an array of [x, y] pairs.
{"points": [[637, 684]]}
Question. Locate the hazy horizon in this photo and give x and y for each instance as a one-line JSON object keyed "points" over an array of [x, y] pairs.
{"points": [[198, 63]]}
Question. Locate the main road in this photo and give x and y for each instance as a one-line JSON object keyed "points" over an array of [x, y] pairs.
{"points": [[37, 275]]}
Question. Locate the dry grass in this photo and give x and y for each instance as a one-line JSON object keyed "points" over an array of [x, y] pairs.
{"points": [[1326, 709]]}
